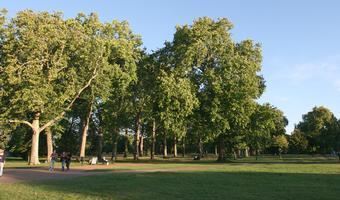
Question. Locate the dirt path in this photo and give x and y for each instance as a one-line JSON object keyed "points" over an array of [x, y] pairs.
{"points": [[34, 174]]}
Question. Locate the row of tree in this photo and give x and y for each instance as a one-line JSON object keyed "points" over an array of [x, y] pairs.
{"points": [[318, 132], [88, 85]]}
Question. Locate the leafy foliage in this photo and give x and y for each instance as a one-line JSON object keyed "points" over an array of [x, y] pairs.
{"points": [[200, 86]]}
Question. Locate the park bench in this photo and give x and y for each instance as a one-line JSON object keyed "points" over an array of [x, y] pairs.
{"points": [[93, 161], [196, 157], [105, 161]]}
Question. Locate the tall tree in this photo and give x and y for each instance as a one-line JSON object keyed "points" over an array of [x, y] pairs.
{"points": [[317, 126], [122, 52], [298, 143], [40, 75], [86, 127], [172, 93], [224, 74], [264, 120], [281, 143], [47, 62]]}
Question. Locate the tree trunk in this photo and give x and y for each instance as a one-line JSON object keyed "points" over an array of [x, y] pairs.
{"points": [[239, 153], [35, 141], [153, 139], [115, 141], [216, 150], [246, 153], [183, 147], [234, 155], [84, 135], [100, 144], [136, 154], [200, 144], [141, 142], [221, 152], [126, 150], [165, 148], [175, 147], [49, 143]]}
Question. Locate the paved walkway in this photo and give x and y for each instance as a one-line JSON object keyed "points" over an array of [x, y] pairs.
{"points": [[34, 174]]}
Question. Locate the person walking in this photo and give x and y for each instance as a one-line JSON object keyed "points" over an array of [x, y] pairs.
{"points": [[2, 161], [68, 160], [54, 157], [63, 160]]}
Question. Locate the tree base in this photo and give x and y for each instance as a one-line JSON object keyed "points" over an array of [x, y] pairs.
{"points": [[38, 163]]}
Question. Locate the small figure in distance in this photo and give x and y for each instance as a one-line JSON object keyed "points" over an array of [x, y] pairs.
{"points": [[196, 157], [105, 161], [2, 161], [63, 160], [68, 160], [54, 157]]}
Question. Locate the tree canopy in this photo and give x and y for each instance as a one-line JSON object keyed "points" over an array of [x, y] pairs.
{"points": [[47, 62], [91, 86]]}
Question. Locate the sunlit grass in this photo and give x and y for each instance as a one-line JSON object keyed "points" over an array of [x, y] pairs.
{"points": [[259, 181], [14, 162]]}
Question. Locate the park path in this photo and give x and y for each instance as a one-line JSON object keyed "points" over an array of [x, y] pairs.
{"points": [[35, 174]]}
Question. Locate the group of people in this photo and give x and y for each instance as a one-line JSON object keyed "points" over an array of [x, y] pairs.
{"points": [[2, 161], [65, 158]]}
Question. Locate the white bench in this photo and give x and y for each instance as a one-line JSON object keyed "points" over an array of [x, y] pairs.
{"points": [[93, 161]]}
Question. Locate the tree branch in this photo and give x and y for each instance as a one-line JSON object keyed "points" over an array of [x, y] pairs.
{"points": [[21, 122], [94, 74]]}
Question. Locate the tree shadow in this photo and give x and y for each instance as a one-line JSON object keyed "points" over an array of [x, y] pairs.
{"points": [[232, 161], [192, 185]]}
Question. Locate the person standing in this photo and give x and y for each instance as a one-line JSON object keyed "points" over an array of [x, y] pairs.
{"points": [[68, 160], [63, 160], [2, 161], [54, 157]]}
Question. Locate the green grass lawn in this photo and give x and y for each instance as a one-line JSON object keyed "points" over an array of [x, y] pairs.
{"points": [[164, 166], [14, 162], [302, 180]]}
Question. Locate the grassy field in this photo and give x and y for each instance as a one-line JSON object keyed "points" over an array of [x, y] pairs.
{"points": [[291, 178], [15, 162]]}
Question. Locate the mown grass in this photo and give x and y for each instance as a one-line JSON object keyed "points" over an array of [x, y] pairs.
{"points": [[156, 166], [297, 158], [303, 180], [14, 162]]}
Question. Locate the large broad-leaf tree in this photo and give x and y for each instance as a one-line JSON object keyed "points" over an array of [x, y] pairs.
{"points": [[122, 51], [140, 95], [298, 143], [46, 63], [281, 143], [173, 93], [224, 74], [319, 126], [263, 122]]}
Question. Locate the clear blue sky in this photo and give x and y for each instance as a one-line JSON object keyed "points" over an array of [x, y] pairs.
{"points": [[300, 38]]}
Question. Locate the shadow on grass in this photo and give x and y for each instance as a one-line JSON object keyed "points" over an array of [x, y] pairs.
{"points": [[287, 162], [231, 161], [18, 163], [184, 185]]}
